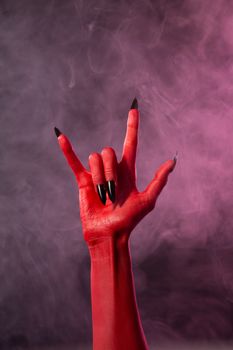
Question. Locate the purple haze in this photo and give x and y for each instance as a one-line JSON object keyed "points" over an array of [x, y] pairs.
{"points": [[77, 65]]}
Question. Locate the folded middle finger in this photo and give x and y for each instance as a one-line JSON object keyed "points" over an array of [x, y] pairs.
{"points": [[110, 171]]}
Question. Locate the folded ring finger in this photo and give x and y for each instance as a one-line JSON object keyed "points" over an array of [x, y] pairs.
{"points": [[110, 171], [97, 172]]}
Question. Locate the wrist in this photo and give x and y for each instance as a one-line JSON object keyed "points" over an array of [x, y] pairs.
{"points": [[107, 246]]}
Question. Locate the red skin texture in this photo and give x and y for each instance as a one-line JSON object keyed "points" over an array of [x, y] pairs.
{"points": [[106, 229]]}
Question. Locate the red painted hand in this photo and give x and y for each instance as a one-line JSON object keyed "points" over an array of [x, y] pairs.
{"points": [[130, 206]]}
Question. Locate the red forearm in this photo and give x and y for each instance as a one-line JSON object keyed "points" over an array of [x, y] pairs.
{"points": [[116, 321]]}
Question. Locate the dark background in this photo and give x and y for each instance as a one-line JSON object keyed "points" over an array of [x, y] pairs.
{"points": [[78, 65]]}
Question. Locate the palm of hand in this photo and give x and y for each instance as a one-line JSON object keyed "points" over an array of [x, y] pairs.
{"points": [[118, 218], [113, 218]]}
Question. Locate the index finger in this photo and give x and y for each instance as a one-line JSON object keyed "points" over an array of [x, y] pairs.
{"points": [[71, 157], [131, 139]]}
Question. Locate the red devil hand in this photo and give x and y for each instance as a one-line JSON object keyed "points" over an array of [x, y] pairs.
{"points": [[100, 215]]}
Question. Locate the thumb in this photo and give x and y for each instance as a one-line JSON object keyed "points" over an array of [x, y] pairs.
{"points": [[154, 188]]}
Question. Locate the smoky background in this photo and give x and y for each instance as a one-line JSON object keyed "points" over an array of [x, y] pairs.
{"points": [[78, 65]]}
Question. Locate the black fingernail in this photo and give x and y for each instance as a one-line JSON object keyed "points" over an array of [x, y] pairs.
{"points": [[57, 131], [101, 193], [134, 104], [176, 156], [111, 190]]}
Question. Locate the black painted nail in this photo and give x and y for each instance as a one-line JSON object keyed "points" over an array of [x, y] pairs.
{"points": [[101, 193], [111, 190], [175, 160], [134, 104], [57, 131], [176, 156]]}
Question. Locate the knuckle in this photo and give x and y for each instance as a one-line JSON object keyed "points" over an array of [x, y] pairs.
{"points": [[108, 150], [93, 155], [131, 142], [108, 171]]}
